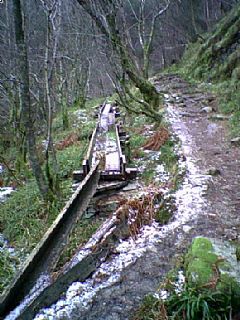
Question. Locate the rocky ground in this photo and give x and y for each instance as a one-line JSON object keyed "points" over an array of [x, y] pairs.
{"points": [[208, 204]]}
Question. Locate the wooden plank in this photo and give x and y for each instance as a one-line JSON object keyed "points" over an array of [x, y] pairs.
{"points": [[86, 167], [118, 141], [112, 161], [91, 145], [106, 109], [111, 176]]}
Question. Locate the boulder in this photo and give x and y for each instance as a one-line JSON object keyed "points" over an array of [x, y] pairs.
{"points": [[213, 264]]}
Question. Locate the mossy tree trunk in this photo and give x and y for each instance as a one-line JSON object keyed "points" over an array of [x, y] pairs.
{"points": [[18, 140]]}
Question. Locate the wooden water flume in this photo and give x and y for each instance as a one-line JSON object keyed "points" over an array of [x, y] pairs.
{"points": [[107, 145], [104, 160]]}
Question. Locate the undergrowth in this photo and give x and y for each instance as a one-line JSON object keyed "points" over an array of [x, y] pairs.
{"points": [[152, 150], [190, 304], [8, 264]]}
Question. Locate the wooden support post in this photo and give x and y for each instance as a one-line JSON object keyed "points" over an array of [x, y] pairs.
{"points": [[86, 167], [123, 164], [128, 150]]}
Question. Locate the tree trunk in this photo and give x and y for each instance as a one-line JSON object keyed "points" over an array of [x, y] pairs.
{"points": [[51, 173], [63, 100], [25, 94]]}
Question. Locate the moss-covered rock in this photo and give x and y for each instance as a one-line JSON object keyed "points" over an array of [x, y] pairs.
{"points": [[212, 263], [199, 261]]}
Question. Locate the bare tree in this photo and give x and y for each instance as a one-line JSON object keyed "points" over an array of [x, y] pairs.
{"points": [[106, 15], [27, 111], [146, 13], [52, 11]]}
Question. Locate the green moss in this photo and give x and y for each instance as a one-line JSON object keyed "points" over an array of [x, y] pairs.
{"points": [[200, 260], [163, 215], [208, 292], [199, 271], [203, 265], [201, 245], [229, 37]]}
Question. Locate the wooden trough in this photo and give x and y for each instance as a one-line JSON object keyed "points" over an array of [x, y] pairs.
{"points": [[43, 257], [117, 173]]}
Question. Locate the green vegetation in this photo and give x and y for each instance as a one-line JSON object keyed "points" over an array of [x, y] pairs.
{"points": [[137, 139], [137, 127], [216, 61], [164, 154], [165, 212], [24, 217], [206, 294], [111, 135], [169, 157], [24, 220], [8, 264], [149, 310], [194, 304], [190, 304]]}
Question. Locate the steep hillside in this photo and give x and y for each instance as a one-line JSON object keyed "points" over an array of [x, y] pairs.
{"points": [[215, 59], [218, 56]]}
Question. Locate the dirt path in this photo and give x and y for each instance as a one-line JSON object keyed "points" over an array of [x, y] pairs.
{"points": [[210, 145]]}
